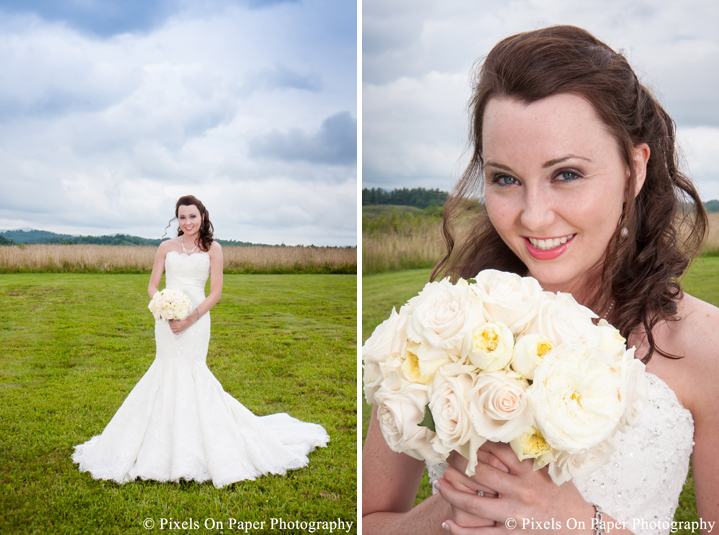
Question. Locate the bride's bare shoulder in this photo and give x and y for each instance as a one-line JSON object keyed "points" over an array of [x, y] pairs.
{"points": [[695, 337], [698, 327], [167, 246]]}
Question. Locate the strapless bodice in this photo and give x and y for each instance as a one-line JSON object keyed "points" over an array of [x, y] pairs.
{"points": [[186, 271]]}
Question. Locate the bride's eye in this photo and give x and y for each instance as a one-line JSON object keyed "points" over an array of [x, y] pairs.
{"points": [[504, 180], [567, 175]]}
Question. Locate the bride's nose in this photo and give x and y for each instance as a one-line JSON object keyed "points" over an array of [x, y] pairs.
{"points": [[537, 210]]}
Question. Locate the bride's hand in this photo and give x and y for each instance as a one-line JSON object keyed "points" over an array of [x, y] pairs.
{"points": [[455, 474], [522, 493], [177, 326]]}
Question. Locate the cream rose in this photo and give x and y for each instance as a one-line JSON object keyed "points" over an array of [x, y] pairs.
{"points": [[499, 410], [399, 412], [448, 402], [562, 320], [508, 298], [492, 346], [610, 339], [442, 318], [634, 388], [389, 337], [576, 397], [499, 406], [529, 351], [372, 380], [580, 465], [419, 371]]}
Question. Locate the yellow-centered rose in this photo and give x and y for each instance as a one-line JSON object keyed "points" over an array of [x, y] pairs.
{"points": [[529, 351], [491, 348], [531, 445]]}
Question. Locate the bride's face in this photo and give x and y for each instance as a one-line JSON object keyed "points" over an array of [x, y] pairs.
{"points": [[555, 184], [189, 219]]}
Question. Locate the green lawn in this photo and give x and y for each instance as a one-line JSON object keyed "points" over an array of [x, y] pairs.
{"points": [[75, 345], [383, 291]]}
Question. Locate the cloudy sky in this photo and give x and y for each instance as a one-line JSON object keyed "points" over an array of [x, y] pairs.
{"points": [[417, 56], [112, 109]]}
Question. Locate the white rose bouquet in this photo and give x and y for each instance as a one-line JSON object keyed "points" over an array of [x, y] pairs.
{"points": [[170, 305], [497, 358]]}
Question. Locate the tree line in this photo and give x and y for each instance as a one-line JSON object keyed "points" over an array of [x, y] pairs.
{"points": [[15, 237], [417, 197]]}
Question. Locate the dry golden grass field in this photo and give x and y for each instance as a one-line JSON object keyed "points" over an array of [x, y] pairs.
{"points": [[712, 243], [138, 259], [419, 244]]}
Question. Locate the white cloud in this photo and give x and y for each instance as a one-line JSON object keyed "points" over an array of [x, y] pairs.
{"points": [[98, 135], [699, 146], [417, 61]]}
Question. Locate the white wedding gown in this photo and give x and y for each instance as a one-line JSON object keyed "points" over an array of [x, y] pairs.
{"points": [[178, 422], [640, 485]]}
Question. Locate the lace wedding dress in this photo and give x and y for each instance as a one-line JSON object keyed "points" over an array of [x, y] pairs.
{"points": [[640, 485], [178, 422]]}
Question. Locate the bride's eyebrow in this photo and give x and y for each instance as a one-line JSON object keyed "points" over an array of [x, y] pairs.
{"points": [[556, 161], [499, 166]]}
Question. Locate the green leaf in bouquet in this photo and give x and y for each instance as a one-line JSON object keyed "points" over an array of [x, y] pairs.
{"points": [[428, 420]]}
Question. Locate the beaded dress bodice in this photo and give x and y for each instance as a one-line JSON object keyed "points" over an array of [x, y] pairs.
{"points": [[641, 483]]}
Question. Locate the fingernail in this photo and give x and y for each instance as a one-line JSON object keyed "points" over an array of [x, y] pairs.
{"points": [[435, 486], [445, 526]]}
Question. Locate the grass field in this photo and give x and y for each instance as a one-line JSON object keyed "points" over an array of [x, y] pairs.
{"points": [[74, 345], [40, 258], [383, 291]]}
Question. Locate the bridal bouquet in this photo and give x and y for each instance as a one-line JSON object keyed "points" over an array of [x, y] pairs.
{"points": [[170, 305], [499, 359]]}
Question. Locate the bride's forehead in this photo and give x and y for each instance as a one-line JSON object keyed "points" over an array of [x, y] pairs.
{"points": [[187, 210]]}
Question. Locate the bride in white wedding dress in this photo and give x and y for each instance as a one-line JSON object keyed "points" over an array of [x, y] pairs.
{"points": [[178, 423], [576, 161]]}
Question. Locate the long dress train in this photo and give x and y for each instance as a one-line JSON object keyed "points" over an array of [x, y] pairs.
{"points": [[179, 423]]}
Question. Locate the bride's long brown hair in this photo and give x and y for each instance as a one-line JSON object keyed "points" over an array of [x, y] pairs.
{"points": [[667, 222]]}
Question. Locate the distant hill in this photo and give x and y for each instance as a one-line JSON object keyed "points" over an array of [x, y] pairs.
{"points": [[5, 241], [32, 236], [43, 236], [712, 206]]}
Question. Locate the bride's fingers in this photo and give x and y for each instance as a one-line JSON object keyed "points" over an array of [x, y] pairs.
{"points": [[487, 475], [504, 455], [492, 460], [463, 482], [468, 502]]}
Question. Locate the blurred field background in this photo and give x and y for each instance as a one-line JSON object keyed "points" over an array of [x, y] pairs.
{"points": [[404, 237], [54, 258]]}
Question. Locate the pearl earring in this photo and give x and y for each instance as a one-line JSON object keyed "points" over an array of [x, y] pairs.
{"points": [[624, 232]]}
